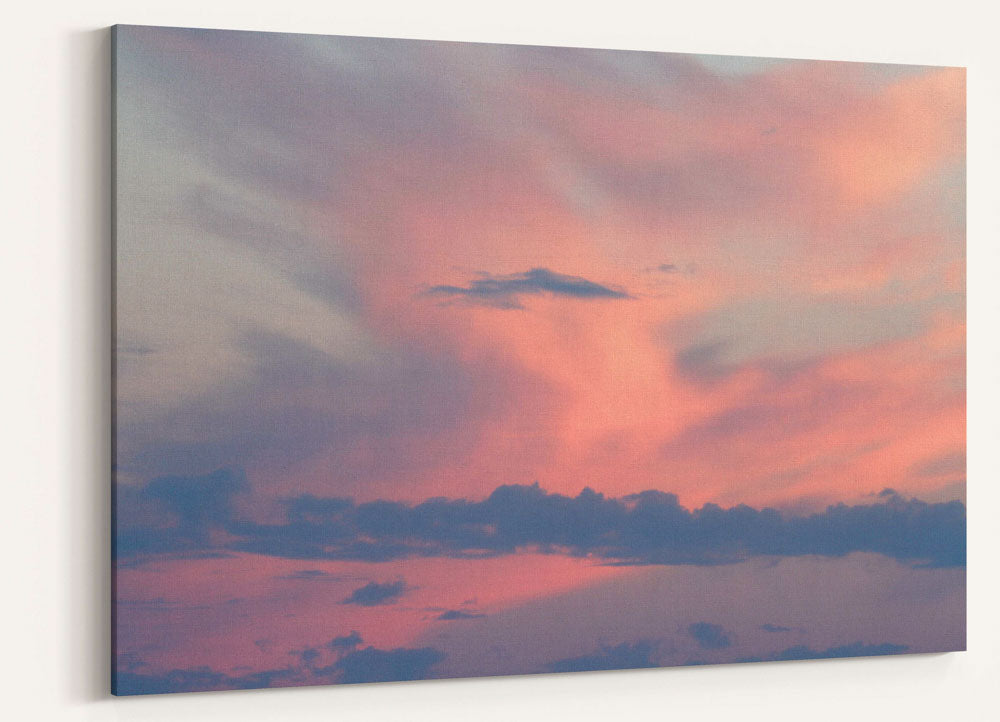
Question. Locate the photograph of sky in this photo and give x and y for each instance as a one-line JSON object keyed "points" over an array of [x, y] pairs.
{"points": [[442, 359]]}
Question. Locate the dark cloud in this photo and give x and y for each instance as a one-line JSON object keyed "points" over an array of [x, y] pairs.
{"points": [[709, 636], [379, 665], [775, 628], [348, 665], [203, 679], [198, 502], [646, 528], [175, 514], [346, 642], [374, 594], [857, 649], [311, 575], [453, 615], [178, 680], [504, 291], [309, 656], [623, 656]]}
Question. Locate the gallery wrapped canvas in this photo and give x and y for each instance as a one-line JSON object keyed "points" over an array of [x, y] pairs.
{"points": [[442, 359]]}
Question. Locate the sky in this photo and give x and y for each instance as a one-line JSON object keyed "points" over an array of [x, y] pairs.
{"points": [[442, 359]]}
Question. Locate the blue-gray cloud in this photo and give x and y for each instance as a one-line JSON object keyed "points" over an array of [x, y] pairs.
{"points": [[204, 679], [453, 615], [710, 636], [505, 291], [311, 575], [646, 528], [175, 514], [374, 594], [638, 655], [348, 664], [857, 649], [775, 628], [379, 665], [346, 642]]}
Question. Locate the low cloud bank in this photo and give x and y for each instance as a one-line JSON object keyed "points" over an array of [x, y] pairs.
{"points": [[647, 528]]}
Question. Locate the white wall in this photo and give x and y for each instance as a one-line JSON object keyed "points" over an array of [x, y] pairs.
{"points": [[54, 266]]}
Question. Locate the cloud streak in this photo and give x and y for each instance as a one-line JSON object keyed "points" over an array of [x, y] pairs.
{"points": [[504, 291], [374, 594], [454, 615], [775, 628]]}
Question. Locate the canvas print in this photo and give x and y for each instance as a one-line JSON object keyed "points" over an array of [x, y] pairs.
{"points": [[445, 359]]}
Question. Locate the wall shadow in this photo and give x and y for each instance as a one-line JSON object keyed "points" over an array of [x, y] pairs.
{"points": [[88, 491]]}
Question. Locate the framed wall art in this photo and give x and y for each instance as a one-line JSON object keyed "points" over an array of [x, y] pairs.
{"points": [[443, 359]]}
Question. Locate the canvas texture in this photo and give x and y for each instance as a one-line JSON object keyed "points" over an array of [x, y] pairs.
{"points": [[444, 359]]}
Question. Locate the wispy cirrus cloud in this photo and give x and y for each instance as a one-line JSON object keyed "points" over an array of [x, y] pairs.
{"points": [[504, 291], [947, 464], [800, 327]]}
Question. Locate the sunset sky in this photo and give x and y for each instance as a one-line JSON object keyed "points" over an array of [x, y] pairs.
{"points": [[450, 359]]}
